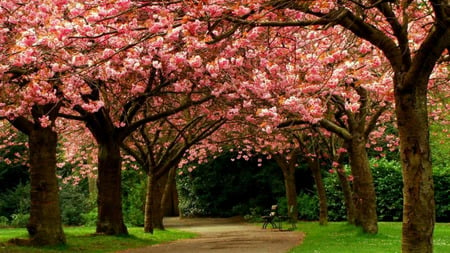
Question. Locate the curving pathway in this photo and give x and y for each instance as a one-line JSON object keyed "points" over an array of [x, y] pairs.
{"points": [[224, 235]]}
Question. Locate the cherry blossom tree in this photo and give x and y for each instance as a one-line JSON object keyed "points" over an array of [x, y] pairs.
{"points": [[30, 102], [158, 148], [412, 36]]}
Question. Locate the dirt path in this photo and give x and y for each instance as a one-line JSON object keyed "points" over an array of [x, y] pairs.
{"points": [[224, 235]]}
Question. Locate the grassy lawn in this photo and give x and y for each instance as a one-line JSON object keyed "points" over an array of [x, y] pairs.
{"points": [[81, 239], [343, 238]]}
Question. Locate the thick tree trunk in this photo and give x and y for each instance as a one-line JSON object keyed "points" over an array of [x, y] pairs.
{"points": [[348, 196], [317, 175], [288, 169], [157, 195], [44, 226], [291, 195], [418, 189], [148, 215], [363, 187], [169, 205], [110, 216]]}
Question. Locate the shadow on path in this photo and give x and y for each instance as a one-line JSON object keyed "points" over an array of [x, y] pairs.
{"points": [[224, 235]]}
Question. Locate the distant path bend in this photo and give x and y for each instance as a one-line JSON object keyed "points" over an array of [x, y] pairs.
{"points": [[224, 235]]}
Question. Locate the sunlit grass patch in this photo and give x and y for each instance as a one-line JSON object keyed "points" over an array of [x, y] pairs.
{"points": [[83, 239], [343, 238]]}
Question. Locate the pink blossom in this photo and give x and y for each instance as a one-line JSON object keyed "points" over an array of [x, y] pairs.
{"points": [[241, 11], [137, 89], [45, 121], [196, 61], [224, 63]]}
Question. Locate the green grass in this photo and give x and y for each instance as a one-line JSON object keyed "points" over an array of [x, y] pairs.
{"points": [[81, 239], [343, 238]]}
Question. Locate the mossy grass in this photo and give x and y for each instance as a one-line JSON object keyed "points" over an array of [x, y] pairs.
{"points": [[82, 239], [344, 238]]}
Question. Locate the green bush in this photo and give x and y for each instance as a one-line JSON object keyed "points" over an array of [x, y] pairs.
{"points": [[223, 188], [15, 201], [442, 195], [134, 187], [4, 222], [74, 202], [20, 220], [335, 198], [134, 202], [308, 206], [387, 178], [90, 218]]}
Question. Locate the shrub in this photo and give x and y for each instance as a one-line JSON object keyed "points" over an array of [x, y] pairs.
{"points": [[224, 188], [15, 201], [308, 206], [20, 220], [74, 202], [335, 198], [442, 195], [388, 183], [90, 218], [134, 204], [4, 222]]}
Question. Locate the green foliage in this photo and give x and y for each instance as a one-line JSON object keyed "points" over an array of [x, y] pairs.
{"points": [[442, 195], [12, 159], [440, 150], [81, 239], [388, 183], [14, 203], [224, 188], [335, 198], [134, 189], [20, 219], [90, 218], [308, 206], [4, 222], [74, 203], [387, 178]]}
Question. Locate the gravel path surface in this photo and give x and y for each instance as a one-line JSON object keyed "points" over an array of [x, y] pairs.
{"points": [[224, 235]]}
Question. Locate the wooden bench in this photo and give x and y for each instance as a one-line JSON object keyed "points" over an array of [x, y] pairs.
{"points": [[274, 216], [270, 218]]}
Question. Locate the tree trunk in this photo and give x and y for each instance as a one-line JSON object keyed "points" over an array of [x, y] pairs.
{"points": [[110, 216], [148, 216], [363, 187], [169, 203], [317, 175], [288, 169], [157, 195], [44, 226], [348, 198], [418, 189]]}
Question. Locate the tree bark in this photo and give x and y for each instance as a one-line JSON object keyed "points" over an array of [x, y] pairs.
{"points": [[157, 195], [148, 216], [418, 189], [110, 215], [169, 205], [288, 169], [363, 188], [45, 226], [348, 196], [317, 175]]}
